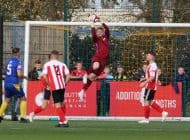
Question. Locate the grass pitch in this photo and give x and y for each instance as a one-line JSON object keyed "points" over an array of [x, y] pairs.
{"points": [[95, 130]]}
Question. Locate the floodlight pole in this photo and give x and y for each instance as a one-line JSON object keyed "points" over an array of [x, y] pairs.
{"points": [[66, 33], [154, 11], [154, 20]]}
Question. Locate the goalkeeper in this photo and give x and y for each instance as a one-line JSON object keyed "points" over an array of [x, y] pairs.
{"points": [[100, 36]]}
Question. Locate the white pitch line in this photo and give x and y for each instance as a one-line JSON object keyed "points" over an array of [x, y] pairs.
{"points": [[90, 118]]}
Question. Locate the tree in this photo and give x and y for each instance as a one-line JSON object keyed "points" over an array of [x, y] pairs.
{"points": [[148, 13], [76, 4], [38, 9], [181, 11]]}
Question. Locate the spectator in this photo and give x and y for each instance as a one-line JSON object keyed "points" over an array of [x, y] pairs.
{"points": [[120, 75], [79, 72], [106, 74], [180, 76], [141, 73], [35, 73]]}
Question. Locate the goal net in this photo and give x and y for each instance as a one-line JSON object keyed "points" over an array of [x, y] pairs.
{"points": [[129, 42]]}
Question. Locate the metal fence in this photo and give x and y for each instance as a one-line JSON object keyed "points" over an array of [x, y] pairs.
{"points": [[128, 47]]}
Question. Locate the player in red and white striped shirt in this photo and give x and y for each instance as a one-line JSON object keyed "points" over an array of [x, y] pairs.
{"points": [[150, 85], [56, 76]]}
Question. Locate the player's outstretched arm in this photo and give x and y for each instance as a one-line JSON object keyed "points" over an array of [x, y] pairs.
{"points": [[107, 31], [91, 19], [93, 32]]}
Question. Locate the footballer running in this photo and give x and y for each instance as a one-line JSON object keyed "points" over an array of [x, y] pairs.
{"points": [[55, 76]]}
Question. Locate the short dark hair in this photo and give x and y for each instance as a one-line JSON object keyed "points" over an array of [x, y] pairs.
{"points": [[38, 61], [119, 66], [152, 53], [15, 50], [100, 28], [54, 52], [78, 61]]}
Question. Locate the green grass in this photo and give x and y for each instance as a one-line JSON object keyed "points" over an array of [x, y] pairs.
{"points": [[95, 130]]}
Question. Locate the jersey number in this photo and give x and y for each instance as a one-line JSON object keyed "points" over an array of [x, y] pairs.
{"points": [[57, 70], [9, 69]]}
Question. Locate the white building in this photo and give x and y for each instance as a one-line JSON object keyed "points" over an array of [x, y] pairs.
{"points": [[98, 4], [123, 11]]}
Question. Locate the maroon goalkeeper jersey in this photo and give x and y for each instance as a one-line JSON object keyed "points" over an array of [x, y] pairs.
{"points": [[101, 45]]}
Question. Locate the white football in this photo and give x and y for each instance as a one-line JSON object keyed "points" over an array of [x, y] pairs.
{"points": [[92, 18]]}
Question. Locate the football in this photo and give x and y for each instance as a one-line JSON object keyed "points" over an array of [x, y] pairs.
{"points": [[93, 18]]}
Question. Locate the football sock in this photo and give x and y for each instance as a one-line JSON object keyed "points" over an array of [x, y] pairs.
{"points": [[146, 112], [3, 108], [61, 114], [156, 107], [38, 110], [22, 108], [64, 109]]}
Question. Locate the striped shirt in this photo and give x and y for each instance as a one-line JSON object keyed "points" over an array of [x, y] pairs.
{"points": [[55, 71], [151, 71]]}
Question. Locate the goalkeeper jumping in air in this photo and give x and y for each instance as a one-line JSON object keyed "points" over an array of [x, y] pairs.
{"points": [[100, 38]]}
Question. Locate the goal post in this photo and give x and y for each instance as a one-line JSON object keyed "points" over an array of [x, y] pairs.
{"points": [[129, 42], [29, 24], [1, 57]]}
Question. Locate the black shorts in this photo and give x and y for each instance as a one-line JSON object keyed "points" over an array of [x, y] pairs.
{"points": [[58, 95], [149, 94]]}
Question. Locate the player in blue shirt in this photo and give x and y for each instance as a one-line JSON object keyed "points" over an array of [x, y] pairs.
{"points": [[12, 86]]}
